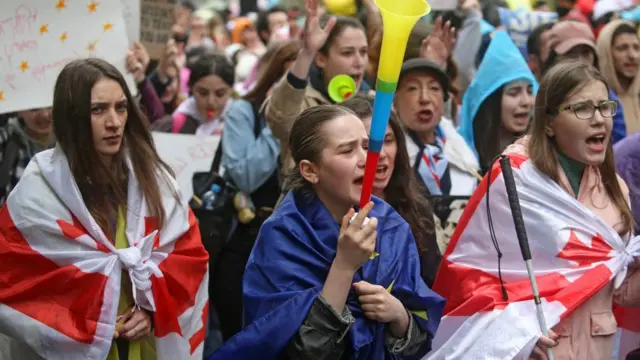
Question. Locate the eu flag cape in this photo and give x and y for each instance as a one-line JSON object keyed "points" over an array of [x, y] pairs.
{"points": [[289, 265]]}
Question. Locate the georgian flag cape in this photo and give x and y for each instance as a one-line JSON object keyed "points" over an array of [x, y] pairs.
{"points": [[60, 275], [574, 254]]}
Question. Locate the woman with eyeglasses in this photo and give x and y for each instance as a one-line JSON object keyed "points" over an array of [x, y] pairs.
{"points": [[580, 45], [569, 143]]}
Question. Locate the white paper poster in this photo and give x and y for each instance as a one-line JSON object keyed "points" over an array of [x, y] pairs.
{"points": [[186, 155], [39, 37], [131, 12]]}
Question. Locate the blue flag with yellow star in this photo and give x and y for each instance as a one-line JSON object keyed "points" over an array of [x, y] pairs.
{"points": [[289, 265]]}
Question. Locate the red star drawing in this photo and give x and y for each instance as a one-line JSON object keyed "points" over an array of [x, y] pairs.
{"points": [[578, 252], [61, 5], [93, 6]]}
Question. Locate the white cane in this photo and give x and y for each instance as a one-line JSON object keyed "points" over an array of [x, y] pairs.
{"points": [[521, 232]]}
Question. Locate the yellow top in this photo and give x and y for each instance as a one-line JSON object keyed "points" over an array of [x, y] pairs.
{"points": [[142, 349]]}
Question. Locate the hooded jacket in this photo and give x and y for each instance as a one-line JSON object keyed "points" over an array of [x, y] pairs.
{"points": [[501, 64], [630, 97]]}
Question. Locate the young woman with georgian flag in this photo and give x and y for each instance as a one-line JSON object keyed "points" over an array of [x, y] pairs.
{"points": [[579, 225], [100, 257]]}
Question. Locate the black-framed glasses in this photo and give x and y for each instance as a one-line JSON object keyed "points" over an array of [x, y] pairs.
{"points": [[586, 110]]}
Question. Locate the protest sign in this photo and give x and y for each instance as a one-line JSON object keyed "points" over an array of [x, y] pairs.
{"points": [[156, 19], [520, 23], [186, 155], [39, 37], [131, 12]]}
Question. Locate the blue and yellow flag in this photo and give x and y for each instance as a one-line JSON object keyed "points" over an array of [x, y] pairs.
{"points": [[289, 265]]}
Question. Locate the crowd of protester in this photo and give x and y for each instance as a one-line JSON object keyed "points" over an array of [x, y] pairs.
{"points": [[289, 251]]}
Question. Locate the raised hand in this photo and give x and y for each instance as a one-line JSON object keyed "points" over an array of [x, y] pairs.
{"points": [[134, 67], [141, 54], [315, 35], [438, 46], [168, 59]]}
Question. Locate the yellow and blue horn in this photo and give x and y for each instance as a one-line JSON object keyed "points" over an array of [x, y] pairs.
{"points": [[398, 19]]}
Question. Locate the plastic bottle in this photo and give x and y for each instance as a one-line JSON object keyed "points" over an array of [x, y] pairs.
{"points": [[209, 198], [244, 206]]}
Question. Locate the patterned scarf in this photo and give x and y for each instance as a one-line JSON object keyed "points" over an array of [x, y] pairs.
{"points": [[432, 165]]}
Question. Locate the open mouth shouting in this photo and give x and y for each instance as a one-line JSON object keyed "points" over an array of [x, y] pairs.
{"points": [[597, 143], [425, 115]]}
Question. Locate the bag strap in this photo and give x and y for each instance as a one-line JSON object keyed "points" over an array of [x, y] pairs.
{"points": [[217, 159], [420, 145], [257, 120], [178, 122], [257, 128], [9, 156]]}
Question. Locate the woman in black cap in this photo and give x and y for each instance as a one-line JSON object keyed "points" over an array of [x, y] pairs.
{"points": [[444, 163]]}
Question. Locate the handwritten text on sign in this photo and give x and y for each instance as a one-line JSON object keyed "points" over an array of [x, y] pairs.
{"points": [[131, 11], [39, 37], [520, 23], [156, 19], [186, 155]]}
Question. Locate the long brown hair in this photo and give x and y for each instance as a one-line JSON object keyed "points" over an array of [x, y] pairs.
{"points": [[558, 84], [402, 191], [274, 70], [486, 129], [105, 189]]}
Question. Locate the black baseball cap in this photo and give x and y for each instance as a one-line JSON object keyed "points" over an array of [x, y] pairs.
{"points": [[430, 67]]}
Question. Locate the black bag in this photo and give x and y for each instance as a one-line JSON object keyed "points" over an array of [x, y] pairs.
{"points": [[216, 225]]}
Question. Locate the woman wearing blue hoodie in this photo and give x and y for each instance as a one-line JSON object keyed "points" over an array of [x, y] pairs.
{"points": [[498, 104]]}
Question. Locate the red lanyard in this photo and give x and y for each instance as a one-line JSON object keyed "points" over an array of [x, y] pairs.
{"points": [[431, 168]]}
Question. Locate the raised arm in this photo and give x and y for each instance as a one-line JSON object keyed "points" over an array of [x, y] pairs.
{"points": [[286, 101]]}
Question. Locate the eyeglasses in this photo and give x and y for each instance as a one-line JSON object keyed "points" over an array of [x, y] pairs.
{"points": [[586, 110]]}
